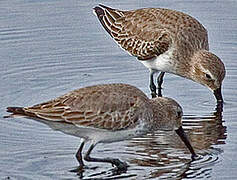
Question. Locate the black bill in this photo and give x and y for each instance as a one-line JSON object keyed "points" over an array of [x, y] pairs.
{"points": [[184, 138], [217, 93]]}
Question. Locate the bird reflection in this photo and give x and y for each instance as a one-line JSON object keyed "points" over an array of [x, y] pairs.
{"points": [[166, 155]]}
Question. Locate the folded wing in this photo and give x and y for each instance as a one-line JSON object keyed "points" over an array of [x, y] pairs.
{"points": [[135, 31], [98, 107]]}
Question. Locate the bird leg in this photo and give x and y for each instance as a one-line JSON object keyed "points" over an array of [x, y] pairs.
{"points": [[122, 166], [79, 158], [79, 155], [152, 85], [159, 82]]}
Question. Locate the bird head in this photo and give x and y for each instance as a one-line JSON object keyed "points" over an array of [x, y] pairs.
{"points": [[208, 70]]}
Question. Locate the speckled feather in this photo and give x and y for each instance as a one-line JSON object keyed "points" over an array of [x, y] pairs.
{"points": [[147, 33], [98, 106], [109, 107], [165, 40]]}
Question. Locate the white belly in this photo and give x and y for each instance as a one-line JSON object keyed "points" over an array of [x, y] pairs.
{"points": [[94, 134]]}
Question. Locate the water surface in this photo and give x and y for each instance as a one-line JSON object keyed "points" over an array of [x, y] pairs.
{"points": [[50, 47]]}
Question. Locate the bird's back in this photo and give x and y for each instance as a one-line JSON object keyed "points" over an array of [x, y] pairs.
{"points": [[149, 32], [111, 106]]}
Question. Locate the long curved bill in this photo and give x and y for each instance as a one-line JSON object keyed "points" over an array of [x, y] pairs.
{"points": [[217, 93], [184, 138]]}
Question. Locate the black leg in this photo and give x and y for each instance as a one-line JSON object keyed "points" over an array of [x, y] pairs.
{"points": [[152, 85], [159, 82], [79, 155], [79, 169], [122, 166]]}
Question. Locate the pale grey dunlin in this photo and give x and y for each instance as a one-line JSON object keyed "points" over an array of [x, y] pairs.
{"points": [[105, 114], [165, 40]]}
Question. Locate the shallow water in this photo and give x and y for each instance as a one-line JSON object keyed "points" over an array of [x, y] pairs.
{"points": [[50, 47]]}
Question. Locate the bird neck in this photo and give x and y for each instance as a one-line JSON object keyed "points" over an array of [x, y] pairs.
{"points": [[159, 118], [187, 65]]}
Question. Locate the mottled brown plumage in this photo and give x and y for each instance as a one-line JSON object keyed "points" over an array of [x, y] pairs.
{"points": [[149, 32], [106, 113], [167, 41], [111, 107]]}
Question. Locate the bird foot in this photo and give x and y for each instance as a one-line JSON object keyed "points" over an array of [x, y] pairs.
{"points": [[80, 169], [120, 166]]}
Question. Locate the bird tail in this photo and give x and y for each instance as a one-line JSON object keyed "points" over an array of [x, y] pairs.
{"points": [[15, 111], [107, 17]]}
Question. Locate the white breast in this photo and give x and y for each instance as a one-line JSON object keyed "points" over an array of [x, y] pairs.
{"points": [[163, 62]]}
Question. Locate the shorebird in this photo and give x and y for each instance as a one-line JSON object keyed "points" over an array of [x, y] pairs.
{"points": [[105, 114], [165, 40]]}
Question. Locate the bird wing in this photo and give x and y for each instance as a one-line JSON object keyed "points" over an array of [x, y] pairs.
{"points": [[135, 31], [108, 107]]}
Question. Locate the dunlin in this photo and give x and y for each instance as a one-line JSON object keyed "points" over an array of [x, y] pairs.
{"points": [[165, 40], [105, 114]]}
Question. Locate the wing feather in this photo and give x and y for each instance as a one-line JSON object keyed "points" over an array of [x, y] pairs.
{"points": [[135, 31], [112, 107]]}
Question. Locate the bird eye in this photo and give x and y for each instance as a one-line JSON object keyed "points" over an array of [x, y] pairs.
{"points": [[208, 76]]}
